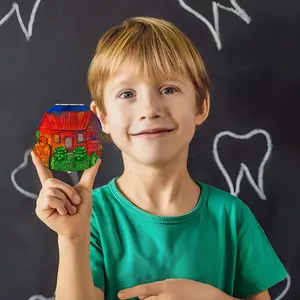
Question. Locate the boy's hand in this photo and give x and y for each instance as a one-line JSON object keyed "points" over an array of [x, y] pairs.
{"points": [[57, 205], [174, 289]]}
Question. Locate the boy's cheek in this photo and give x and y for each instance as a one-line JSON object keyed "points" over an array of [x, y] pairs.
{"points": [[119, 134]]}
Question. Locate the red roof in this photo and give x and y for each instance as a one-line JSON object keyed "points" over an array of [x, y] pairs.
{"points": [[66, 120]]}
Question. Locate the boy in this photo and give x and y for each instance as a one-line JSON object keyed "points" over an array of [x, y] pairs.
{"points": [[155, 233]]}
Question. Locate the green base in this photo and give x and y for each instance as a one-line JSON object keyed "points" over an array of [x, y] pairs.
{"points": [[71, 164]]}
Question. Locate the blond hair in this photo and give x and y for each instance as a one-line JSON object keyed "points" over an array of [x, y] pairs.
{"points": [[157, 48]]}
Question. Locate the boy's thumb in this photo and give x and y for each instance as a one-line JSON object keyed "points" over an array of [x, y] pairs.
{"points": [[89, 175]]}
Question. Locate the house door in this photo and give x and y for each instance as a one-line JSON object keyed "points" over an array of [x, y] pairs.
{"points": [[68, 144]]}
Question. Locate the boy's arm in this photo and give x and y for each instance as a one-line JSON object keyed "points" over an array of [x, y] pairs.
{"points": [[74, 280]]}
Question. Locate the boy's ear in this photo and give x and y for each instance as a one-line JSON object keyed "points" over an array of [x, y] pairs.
{"points": [[202, 111], [102, 117]]}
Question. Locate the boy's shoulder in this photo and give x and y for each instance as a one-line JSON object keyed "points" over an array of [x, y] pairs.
{"points": [[225, 207], [215, 197]]}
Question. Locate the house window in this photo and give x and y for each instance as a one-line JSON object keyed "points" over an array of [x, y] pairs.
{"points": [[56, 138], [80, 137]]}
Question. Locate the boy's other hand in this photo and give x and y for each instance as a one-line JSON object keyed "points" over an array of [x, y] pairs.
{"points": [[174, 289], [63, 208]]}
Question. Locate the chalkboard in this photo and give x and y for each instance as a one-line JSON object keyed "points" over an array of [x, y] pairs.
{"points": [[249, 146]]}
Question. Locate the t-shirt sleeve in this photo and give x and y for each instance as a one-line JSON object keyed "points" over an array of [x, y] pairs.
{"points": [[96, 255], [258, 267]]}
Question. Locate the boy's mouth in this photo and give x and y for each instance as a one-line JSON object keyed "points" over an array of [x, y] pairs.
{"points": [[154, 132]]}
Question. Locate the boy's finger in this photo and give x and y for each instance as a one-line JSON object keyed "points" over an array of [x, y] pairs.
{"points": [[142, 290], [89, 175], [43, 172], [55, 192], [53, 203]]}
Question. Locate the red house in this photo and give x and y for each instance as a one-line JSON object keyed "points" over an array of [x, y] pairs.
{"points": [[71, 126]]}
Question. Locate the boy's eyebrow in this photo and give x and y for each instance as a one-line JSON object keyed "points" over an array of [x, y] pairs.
{"points": [[116, 85], [178, 80], [121, 82]]}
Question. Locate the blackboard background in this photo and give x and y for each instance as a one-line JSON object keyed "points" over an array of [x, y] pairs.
{"points": [[255, 80]]}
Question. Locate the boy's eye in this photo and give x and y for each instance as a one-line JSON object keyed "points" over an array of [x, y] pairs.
{"points": [[168, 91], [126, 95], [129, 94]]}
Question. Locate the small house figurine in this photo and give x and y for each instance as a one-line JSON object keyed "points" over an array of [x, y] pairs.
{"points": [[68, 138]]}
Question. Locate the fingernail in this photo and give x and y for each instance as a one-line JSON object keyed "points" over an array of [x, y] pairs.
{"points": [[76, 199], [120, 295], [73, 209]]}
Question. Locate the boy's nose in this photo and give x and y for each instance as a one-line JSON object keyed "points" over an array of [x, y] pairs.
{"points": [[151, 107], [151, 114], [151, 111]]}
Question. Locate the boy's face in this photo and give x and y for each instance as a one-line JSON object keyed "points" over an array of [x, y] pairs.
{"points": [[150, 122]]}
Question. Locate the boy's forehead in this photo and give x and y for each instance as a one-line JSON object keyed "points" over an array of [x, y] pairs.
{"points": [[130, 73]]}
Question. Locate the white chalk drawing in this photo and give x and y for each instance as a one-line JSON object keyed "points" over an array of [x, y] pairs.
{"points": [[16, 9], [259, 186], [40, 297], [73, 176], [215, 29], [285, 291], [16, 170]]}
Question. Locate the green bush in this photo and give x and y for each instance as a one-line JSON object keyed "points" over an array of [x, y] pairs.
{"points": [[60, 153], [79, 153]]}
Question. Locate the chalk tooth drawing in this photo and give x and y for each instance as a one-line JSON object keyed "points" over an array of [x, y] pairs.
{"points": [[215, 29], [244, 170], [258, 187], [73, 176], [16, 9], [285, 291], [16, 170], [40, 297]]}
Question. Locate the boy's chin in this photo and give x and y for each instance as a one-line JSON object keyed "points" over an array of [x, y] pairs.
{"points": [[155, 160], [155, 156]]}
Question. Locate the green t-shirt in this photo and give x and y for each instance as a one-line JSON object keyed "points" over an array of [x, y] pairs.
{"points": [[219, 242]]}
